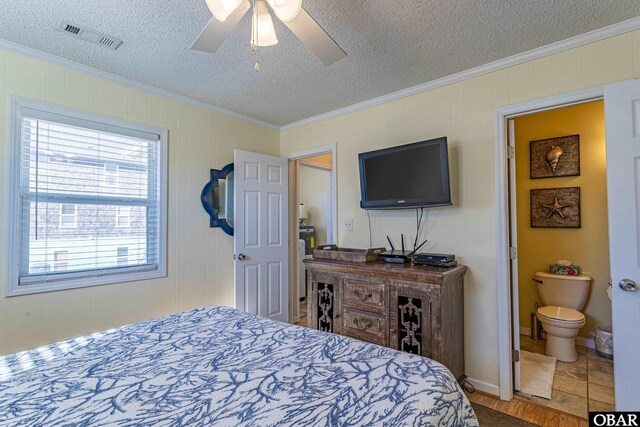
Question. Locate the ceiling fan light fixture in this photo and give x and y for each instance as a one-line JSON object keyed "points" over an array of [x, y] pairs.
{"points": [[221, 9], [286, 10], [263, 32], [290, 12]]}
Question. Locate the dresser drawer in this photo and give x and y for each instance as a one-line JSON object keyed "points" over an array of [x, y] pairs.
{"points": [[365, 326], [368, 295]]}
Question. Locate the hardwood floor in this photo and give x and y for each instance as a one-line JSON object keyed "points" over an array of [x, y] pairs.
{"points": [[303, 313], [530, 412]]}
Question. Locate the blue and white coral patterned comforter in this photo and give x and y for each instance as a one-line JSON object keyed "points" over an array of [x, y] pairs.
{"points": [[218, 366]]}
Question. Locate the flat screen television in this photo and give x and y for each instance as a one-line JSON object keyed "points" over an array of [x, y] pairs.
{"points": [[407, 176]]}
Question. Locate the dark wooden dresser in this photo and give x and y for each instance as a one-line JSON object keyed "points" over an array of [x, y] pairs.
{"points": [[413, 308]]}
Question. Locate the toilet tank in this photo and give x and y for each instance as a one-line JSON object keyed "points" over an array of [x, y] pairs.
{"points": [[563, 291]]}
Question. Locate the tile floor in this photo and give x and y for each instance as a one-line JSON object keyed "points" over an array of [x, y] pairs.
{"points": [[579, 387]]}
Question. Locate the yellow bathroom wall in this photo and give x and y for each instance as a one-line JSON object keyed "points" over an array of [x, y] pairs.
{"points": [[464, 112], [587, 246], [200, 266]]}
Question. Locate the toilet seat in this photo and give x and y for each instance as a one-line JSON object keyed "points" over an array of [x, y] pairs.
{"points": [[562, 325], [565, 315]]}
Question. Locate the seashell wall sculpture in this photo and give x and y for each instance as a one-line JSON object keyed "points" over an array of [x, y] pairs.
{"points": [[553, 157]]}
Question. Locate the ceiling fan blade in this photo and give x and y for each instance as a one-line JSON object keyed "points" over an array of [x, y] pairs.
{"points": [[215, 32], [313, 36]]}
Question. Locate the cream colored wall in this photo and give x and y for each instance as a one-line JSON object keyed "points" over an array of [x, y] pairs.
{"points": [[464, 113], [312, 191], [587, 246], [200, 267]]}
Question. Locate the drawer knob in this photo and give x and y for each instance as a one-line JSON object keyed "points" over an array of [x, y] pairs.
{"points": [[364, 327], [362, 297]]}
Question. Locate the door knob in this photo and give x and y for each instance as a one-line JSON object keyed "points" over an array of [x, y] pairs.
{"points": [[628, 285], [240, 257]]}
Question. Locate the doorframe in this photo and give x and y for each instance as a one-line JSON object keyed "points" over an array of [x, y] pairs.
{"points": [[293, 249], [504, 284], [325, 149], [513, 243]]}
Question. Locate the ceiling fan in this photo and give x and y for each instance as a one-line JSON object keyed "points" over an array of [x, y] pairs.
{"points": [[228, 13]]}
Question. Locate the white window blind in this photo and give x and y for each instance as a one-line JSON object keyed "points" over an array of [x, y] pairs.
{"points": [[76, 221]]}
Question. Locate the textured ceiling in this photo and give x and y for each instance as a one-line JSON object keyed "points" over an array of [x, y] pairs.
{"points": [[391, 45]]}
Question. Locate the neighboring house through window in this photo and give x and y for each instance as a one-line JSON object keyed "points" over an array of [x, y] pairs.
{"points": [[74, 171], [111, 174], [123, 216], [68, 215], [123, 256], [60, 260]]}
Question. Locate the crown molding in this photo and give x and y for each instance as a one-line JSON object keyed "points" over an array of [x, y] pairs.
{"points": [[570, 43], [550, 49], [37, 54]]}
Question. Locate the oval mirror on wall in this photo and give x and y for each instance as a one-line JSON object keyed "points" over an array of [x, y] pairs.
{"points": [[217, 198]]}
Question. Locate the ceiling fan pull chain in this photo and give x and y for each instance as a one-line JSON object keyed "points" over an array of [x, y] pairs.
{"points": [[254, 46], [254, 49]]}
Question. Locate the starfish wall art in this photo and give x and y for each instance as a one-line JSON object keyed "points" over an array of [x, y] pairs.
{"points": [[555, 207]]}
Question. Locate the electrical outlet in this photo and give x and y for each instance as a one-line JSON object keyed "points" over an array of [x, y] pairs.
{"points": [[347, 225]]}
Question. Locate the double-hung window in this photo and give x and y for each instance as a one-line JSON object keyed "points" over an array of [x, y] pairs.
{"points": [[63, 208]]}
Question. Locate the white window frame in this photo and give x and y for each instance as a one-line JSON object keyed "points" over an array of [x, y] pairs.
{"points": [[12, 209], [74, 215]]}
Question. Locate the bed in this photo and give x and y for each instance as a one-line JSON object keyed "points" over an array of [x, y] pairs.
{"points": [[219, 366]]}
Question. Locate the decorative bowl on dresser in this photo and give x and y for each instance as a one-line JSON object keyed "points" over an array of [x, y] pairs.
{"points": [[413, 308]]}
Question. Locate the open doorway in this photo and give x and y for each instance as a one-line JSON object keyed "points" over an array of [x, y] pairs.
{"points": [[560, 259], [312, 194]]}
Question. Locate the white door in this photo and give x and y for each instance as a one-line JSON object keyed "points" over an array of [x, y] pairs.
{"points": [[261, 235], [622, 119]]}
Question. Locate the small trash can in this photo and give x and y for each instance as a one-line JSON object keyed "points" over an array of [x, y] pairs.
{"points": [[604, 342], [536, 327]]}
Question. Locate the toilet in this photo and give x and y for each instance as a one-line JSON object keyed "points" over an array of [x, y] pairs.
{"points": [[563, 298]]}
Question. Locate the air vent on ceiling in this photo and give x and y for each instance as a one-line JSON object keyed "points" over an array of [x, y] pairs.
{"points": [[71, 29], [90, 35]]}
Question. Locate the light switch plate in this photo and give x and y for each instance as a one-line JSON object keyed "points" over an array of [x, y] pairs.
{"points": [[347, 225]]}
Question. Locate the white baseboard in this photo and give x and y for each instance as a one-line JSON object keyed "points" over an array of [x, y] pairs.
{"points": [[485, 387], [584, 342]]}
